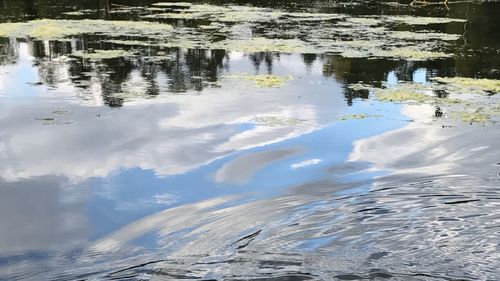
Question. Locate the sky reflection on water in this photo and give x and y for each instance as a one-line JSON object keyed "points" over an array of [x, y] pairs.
{"points": [[181, 168]]}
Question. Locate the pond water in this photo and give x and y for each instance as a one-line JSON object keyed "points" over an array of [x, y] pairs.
{"points": [[249, 140]]}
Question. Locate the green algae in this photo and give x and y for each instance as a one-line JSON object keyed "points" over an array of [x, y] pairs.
{"points": [[102, 54], [361, 37], [397, 95], [75, 13], [411, 20], [365, 21], [478, 109], [411, 54], [46, 29], [274, 121], [264, 80], [133, 43], [476, 116], [354, 116], [172, 4], [468, 85], [358, 116], [260, 44]]}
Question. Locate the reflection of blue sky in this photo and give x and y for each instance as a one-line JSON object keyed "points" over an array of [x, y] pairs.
{"points": [[132, 193], [19, 76], [132, 169]]}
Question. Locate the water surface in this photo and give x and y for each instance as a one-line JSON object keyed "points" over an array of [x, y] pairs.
{"points": [[181, 158]]}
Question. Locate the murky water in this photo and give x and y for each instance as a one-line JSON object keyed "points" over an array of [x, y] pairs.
{"points": [[233, 140]]}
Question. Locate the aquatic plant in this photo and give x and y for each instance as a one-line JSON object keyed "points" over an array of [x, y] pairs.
{"points": [[260, 44], [354, 116], [476, 116], [102, 54], [274, 121], [264, 80], [465, 85], [47, 29]]}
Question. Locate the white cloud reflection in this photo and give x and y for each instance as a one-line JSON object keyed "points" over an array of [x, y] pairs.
{"points": [[171, 134]]}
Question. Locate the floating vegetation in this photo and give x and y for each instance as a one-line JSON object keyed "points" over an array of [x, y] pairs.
{"points": [[365, 21], [475, 109], [401, 95], [354, 116], [411, 20], [423, 36], [411, 54], [274, 121], [476, 116], [264, 80], [102, 54], [352, 37], [57, 29], [172, 4], [260, 44], [468, 85], [132, 43], [75, 13]]}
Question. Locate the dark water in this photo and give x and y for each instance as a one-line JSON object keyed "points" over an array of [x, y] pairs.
{"points": [[167, 165]]}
